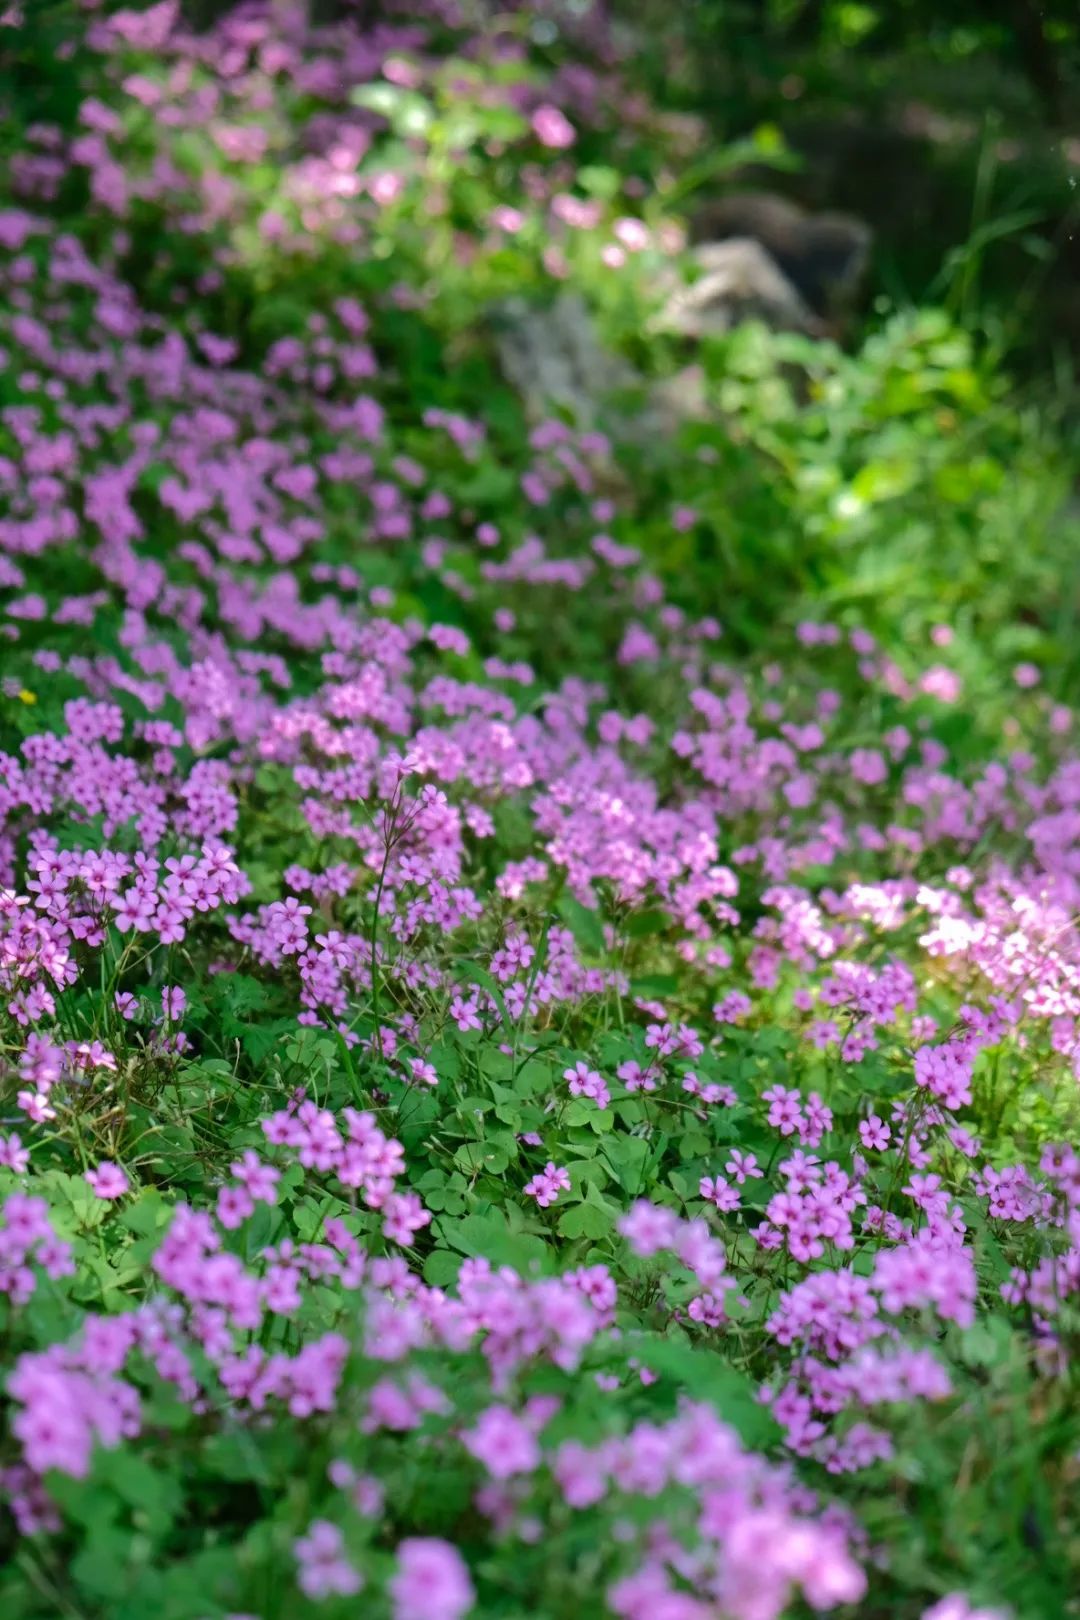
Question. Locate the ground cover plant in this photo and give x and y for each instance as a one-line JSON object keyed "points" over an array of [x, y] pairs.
{"points": [[540, 974]]}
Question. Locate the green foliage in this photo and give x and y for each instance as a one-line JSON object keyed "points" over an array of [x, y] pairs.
{"points": [[897, 486]]}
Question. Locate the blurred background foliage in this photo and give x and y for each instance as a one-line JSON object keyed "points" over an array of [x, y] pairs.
{"points": [[919, 473], [953, 128]]}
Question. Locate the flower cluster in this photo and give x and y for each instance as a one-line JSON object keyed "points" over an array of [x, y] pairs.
{"points": [[515, 1107]]}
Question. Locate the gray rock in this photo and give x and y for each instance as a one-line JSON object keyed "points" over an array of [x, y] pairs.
{"points": [[682, 397], [824, 255], [785, 267], [737, 281], [551, 355]]}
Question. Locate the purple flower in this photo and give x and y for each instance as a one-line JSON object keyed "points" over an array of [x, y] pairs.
{"points": [[324, 1571], [503, 1443], [552, 128], [431, 1581], [108, 1180]]}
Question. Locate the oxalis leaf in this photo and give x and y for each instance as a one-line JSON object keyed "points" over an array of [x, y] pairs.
{"points": [[704, 1374], [490, 1237]]}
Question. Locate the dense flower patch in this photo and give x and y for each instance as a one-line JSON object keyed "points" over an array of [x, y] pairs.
{"points": [[507, 1106]]}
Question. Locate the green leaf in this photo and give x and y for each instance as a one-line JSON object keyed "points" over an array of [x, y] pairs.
{"points": [[235, 1455], [628, 1156], [141, 1485], [474, 1157], [101, 1564], [583, 1111], [599, 181], [643, 924], [148, 1214], [585, 925], [243, 994], [486, 981], [407, 112], [655, 984], [705, 1375], [490, 485], [491, 1237], [593, 1218], [582, 1171], [441, 1268]]}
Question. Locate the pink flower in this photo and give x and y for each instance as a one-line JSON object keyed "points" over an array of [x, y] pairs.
{"points": [[507, 219], [13, 1156], [546, 1186], [324, 1569], [874, 1133], [734, 1007], [431, 1582], [632, 233], [503, 1443], [634, 1077], [785, 1113], [86, 1055], [649, 1227], [173, 1002], [260, 1179], [946, 1072], [743, 1166], [586, 1082], [234, 1205], [553, 128], [108, 1180], [404, 1214], [941, 683], [957, 1607], [719, 1192], [423, 1072]]}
